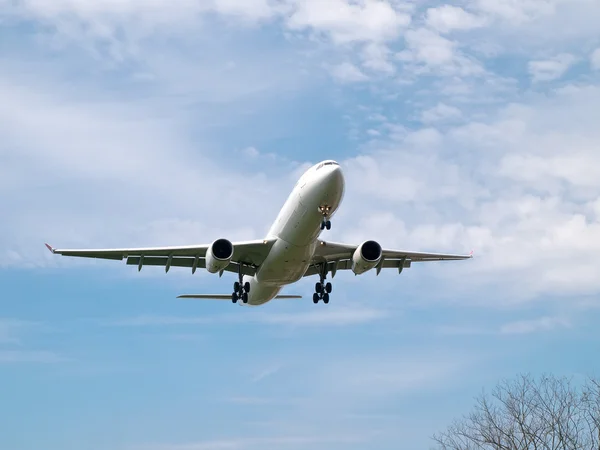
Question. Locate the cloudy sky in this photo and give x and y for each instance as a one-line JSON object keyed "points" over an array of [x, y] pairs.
{"points": [[463, 126]]}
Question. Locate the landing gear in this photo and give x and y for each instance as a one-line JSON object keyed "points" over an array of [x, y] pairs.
{"points": [[240, 289], [322, 289], [325, 223]]}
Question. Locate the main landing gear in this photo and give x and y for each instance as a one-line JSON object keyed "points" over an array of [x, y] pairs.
{"points": [[325, 223], [240, 289], [322, 289]]}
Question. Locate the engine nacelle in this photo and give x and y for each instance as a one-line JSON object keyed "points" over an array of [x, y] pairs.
{"points": [[218, 255], [366, 256]]}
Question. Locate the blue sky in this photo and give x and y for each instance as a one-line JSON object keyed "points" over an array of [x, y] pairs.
{"points": [[463, 126]]}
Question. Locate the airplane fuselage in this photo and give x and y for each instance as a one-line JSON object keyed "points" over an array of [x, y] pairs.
{"points": [[296, 230]]}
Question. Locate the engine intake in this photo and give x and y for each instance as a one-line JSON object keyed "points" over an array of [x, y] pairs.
{"points": [[218, 255], [366, 256]]}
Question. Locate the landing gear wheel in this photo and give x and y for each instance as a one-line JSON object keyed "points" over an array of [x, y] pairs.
{"points": [[247, 286], [323, 225], [236, 286], [234, 297], [245, 297], [322, 289], [328, 224]]}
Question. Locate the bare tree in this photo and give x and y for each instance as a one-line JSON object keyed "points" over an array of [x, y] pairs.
{"points": [[527, 414]]}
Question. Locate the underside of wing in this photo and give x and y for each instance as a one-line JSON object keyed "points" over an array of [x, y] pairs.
{"points": [[335, 256], [246, 255], [331, 251]]}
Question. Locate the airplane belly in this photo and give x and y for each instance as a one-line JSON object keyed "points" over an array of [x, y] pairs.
{"points": [[285, 264], [260, 293]]}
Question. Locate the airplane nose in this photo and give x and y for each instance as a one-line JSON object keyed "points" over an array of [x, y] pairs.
{"points": [[335, 177]]}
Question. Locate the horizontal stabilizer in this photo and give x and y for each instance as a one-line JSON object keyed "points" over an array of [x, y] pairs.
{"points": [[228, 296]]}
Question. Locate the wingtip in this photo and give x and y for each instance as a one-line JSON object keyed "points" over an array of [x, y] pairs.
{"points": [[49, 247], [471, 254]]}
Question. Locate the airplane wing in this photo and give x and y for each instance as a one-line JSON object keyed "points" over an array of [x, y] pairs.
{"points": [[248, 254], [339, 257]]}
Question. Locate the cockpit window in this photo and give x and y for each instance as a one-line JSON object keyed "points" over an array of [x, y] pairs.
{"points": [[327, 163]]}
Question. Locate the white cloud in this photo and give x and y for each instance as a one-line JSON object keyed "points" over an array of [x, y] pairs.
{"points": [[551, 69], [345, 21], [543, 170], [595, 59], [535, 325], [519, 187], [429, 47], [251, 152], [449, 18], [433, 53], [347, 73], [376, 57], [439, 113], [516, 10], [101, 16]]}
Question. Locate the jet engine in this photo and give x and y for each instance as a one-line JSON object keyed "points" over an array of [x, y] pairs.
{"points": [[218, 255], [366, 256]]}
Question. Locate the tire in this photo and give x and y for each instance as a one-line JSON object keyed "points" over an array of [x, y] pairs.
{"points": [[328, 288], [247, 286], [315, 298]]}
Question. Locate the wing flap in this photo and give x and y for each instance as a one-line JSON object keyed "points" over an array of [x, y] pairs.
{"points": [[346, 264], [186, 262]]}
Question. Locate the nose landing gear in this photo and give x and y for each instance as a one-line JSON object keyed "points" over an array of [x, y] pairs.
{"points": [[325, 223]]}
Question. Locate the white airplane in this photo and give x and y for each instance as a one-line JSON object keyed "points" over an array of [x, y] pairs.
{"points": [[291, 250]]}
